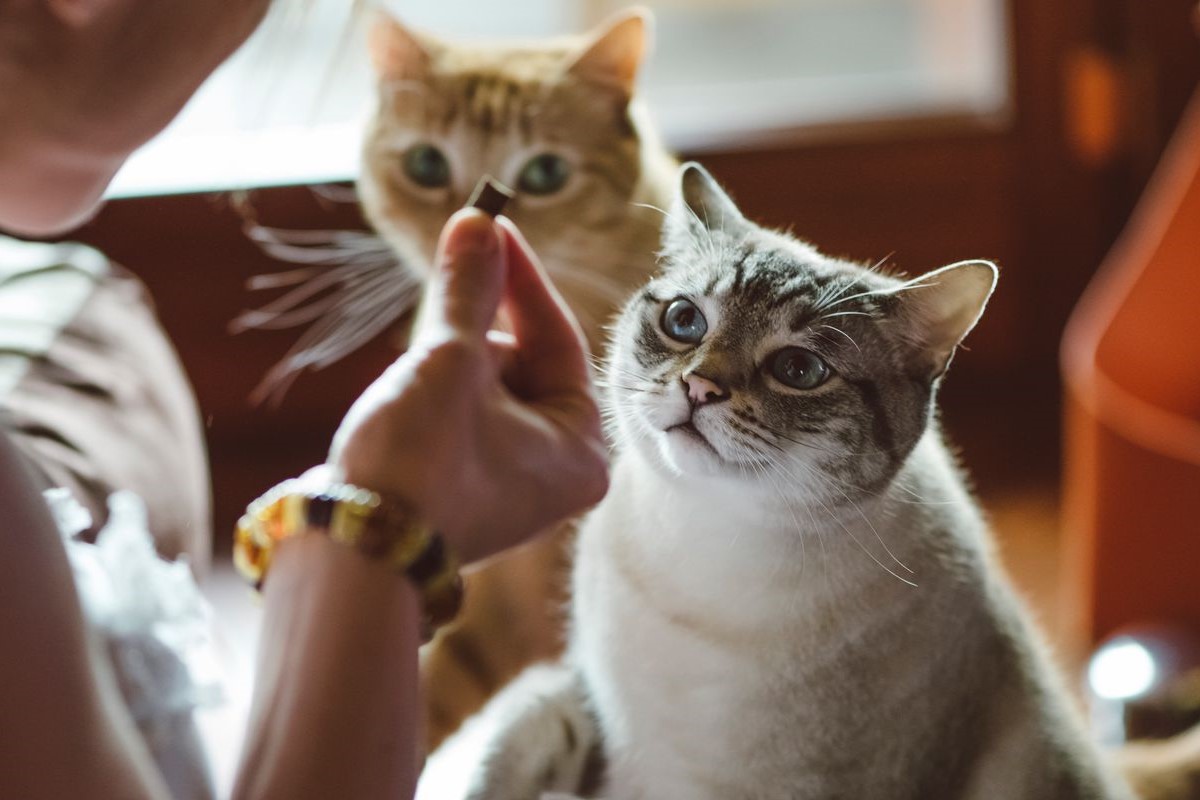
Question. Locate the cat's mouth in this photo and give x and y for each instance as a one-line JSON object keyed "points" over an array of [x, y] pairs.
{"points": [[689, 429]]}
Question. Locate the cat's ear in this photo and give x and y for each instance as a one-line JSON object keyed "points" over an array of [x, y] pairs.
{"points": [[938, 309], [612, 54], [397, 52], [701, 208]]}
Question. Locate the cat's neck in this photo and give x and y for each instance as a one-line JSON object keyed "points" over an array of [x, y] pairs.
{"points": [[699, 536]]}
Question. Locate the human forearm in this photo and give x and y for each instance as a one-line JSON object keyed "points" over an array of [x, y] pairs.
{"points": [[58, 703], [456, 428], [336, 694]]}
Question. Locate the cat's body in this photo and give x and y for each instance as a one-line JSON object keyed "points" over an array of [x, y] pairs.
{"points": [[723, 662], [788, 593], [558, 121]]}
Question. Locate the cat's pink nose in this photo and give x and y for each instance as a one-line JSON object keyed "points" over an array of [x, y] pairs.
{"points": [[701, 390]]}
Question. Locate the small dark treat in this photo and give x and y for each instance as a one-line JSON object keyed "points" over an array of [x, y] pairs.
{"points": [[490, 196]]}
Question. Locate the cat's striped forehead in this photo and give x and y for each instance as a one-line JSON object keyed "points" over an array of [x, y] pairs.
{"points": [[767, 281], [516, 63], [488, 102], [500, 88]]}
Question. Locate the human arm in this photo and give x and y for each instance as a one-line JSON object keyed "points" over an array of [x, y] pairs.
{"points": [[336, 698], [492, 438], [63, 730]]}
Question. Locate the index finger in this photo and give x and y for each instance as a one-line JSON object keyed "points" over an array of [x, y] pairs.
{"points": [[551, 345], [467, 282]]}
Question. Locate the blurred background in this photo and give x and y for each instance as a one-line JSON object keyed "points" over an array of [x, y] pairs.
{"points": [[1022, 131]]}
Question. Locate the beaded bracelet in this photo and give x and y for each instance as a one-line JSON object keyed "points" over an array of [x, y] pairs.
{"points": [[381, 528]]}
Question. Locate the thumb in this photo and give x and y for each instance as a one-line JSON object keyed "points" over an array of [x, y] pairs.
{"points": [[468, 278]]}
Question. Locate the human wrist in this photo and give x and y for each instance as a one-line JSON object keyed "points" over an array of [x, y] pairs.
{"points": [[403, 478], [381, 528], [335, 626]]}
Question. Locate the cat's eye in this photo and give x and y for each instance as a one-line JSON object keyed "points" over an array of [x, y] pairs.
{"points": [[798, 368], [544, 174], [683, 322], [427, 166]]}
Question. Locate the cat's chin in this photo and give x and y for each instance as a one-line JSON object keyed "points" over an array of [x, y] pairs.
{"points": [[686, 451]]}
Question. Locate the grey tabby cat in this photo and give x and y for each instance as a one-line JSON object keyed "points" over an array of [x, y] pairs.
{"points": [[788, 592]]}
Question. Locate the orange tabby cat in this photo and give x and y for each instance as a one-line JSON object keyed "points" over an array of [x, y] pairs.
{"points": [[556, 121]]}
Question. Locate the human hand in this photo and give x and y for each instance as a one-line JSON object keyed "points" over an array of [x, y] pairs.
{"points": [[491, 437]]}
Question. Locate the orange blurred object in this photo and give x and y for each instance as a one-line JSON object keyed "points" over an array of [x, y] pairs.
{"points": [[1131, 363]]}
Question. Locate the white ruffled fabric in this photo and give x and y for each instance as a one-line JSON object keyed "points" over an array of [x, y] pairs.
{"points": [[156, 628]]}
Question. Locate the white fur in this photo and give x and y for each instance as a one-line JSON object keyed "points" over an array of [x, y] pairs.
{"points": [[746, 629], [532, 756], [737, 647]]}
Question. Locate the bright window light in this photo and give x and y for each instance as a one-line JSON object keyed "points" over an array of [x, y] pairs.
{"points": [[1123, 669], [290, 106]]}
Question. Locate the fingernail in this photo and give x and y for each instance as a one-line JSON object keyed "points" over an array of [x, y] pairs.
{"points": [[471, 233]]}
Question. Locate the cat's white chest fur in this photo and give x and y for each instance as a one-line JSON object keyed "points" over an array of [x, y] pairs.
{"points": [[724, 662], [676, 619]]}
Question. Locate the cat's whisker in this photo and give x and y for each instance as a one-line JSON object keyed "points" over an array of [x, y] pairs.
{"points": [[844, 484], [606, 367], [809, 445], [871, 525], [919, 499], [603, 374], [295, 297], [710, 247], [272, 320], [366, 307], [331, 247], [863, 547], [834, 292], [666, 214], [606, 288], [766, 474], [335, 193], [843, 333], [820, 538], [612, 385], [352, 287], [846, 528], [876, 267], [839, 483], [845, 314], [841, 524], [280, 280], [779, 467], [877, 293]]}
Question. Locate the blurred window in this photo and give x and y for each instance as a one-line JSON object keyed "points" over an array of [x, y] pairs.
{"points": [[728, 74]]}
